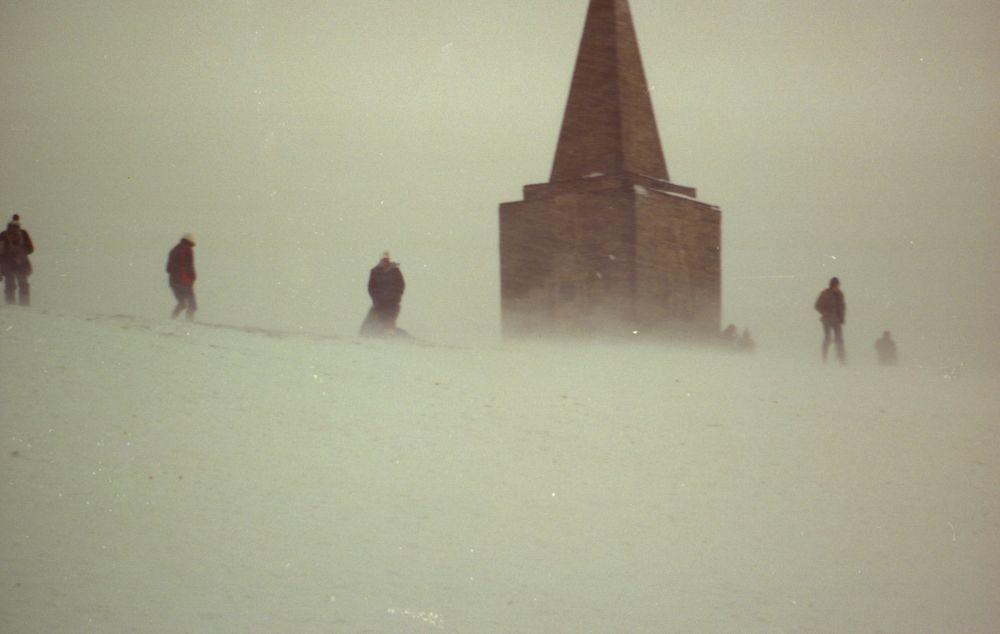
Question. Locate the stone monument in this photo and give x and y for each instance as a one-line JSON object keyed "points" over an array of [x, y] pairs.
{"points": [[609, 245]]}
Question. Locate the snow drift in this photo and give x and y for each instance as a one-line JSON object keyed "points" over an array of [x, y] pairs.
{"points": [[167, 477]]}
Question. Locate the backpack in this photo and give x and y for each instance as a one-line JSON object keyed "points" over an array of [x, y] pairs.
{"points": [[14, 248]]}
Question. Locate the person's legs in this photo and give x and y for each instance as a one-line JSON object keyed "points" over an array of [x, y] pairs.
{"points": [[826, 340], [9, 286], [181, 302], [192, 303], [23, 290], [391, 314], [381, 320], [838, 338]]}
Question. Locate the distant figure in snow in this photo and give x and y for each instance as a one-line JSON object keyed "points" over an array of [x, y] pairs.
{"points": [[885, 348], [15, 267], [746, 343], [385, 287], [180, 268], [730, 335], [832, 309]]}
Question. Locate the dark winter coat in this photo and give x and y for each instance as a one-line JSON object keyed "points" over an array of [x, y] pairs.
{"points": [[180, 264], [831, 307], [15, 247], [386, 285]]}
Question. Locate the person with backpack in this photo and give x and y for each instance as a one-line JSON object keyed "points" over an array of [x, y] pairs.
{"points": [[180, 268], [15, 247]]}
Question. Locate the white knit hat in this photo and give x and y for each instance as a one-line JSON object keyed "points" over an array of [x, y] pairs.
{"points": [[189, 237]]}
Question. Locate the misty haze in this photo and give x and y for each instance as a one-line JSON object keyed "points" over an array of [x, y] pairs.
{"points": [[265, 467]]}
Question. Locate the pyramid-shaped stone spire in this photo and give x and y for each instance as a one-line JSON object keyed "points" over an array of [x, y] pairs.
{"points": [[609, 245], [609, 126]]}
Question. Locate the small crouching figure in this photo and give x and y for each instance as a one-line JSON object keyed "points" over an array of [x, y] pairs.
{"points": [[885, 348], [730, 336]]}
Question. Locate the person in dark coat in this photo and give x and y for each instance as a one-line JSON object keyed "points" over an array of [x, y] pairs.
{"points": [[385, 287], [832, 309], [180, 268], [885, 348], [15, 247]]}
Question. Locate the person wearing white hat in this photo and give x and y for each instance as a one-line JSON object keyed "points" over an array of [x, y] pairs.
{"points": [[385, 287], [180, 269]]}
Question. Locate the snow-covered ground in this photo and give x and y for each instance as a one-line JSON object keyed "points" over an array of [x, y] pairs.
{"points": [[167, 477]]}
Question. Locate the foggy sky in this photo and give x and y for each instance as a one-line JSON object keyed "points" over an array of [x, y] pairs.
{"points": [[299, 140]]}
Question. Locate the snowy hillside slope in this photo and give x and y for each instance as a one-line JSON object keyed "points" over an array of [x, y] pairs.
{"points": [[173, 477]]}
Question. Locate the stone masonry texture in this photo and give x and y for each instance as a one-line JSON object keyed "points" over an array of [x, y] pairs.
{"points": [[609, 246]]}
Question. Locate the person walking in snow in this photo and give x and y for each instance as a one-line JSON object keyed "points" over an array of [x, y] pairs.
{"points": [[180, 268], [385, 287], [15, 267], [885, 348], [832, 309]]}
